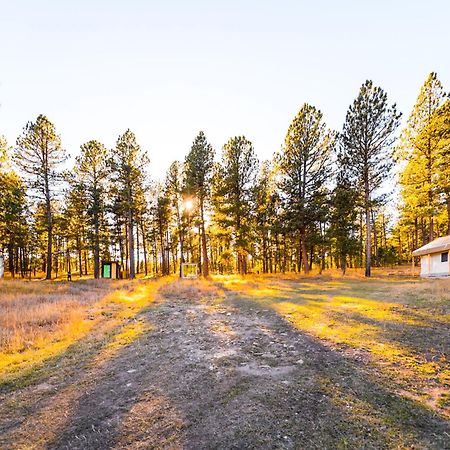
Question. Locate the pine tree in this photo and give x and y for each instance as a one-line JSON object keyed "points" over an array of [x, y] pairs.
{"points": [[419, 148], [438, 132], [39, 154], [174, 187], [343, 218], [74, 221], [92, 170], [198, 170], [128, 165], [367, 138], [161, 220], [304, 165], [265, 211], [234, 179], [14, 229]]}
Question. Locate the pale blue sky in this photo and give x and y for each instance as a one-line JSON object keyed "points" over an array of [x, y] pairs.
{"points": [[167, 69]]}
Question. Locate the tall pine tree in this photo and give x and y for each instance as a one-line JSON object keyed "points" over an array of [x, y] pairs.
{"points": [[198, 170], [233, 196], [128, 166], [367, 138], [39, 154], [92, 170], [304, 165]]}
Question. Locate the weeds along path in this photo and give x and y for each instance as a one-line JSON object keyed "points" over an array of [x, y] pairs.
{"points": [[213, 369]]}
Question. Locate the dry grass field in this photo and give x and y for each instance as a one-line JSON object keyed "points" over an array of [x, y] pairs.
{"points": [[233, 362]]}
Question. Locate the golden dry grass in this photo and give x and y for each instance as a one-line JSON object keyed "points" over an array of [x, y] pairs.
{"points": [[31, 311], [40, 320]]}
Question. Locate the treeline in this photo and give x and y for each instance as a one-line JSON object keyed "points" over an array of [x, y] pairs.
{"points": [[323, 200]]}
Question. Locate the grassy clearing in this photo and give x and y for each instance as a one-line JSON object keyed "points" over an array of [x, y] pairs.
{"points": [[401, 326], [40, 321], [357, 363]]}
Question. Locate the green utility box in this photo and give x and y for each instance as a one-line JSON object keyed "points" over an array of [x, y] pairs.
{"points": [[110, 269]]}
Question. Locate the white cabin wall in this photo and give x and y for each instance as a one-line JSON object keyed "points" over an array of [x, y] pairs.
{"points": [[431, 265], [425, 265], [438, 267]]}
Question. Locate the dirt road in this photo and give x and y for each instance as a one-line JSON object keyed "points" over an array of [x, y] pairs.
{"points": [[215, 372]]}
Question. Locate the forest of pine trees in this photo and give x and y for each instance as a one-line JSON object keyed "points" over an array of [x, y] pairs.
{"points": [[357, 197]]}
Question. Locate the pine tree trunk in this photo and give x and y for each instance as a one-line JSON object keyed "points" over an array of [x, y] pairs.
{"points": [[96, 247], [368, 229], [144, 247], [11, 259], [80, 256], [85, 263], [48, 211], [304, 252], [126, 248], [163, 253], [375, 238], [343, 264], [368, 243], [131, 244], [137, 249], [205, 268]]}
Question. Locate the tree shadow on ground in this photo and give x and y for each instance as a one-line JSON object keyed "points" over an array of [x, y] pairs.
{"points": [[231, 374]]}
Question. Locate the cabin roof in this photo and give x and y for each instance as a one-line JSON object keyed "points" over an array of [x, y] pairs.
{"points": [[441, 244]]}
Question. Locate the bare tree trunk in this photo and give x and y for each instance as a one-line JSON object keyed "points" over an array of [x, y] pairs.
{"points": [[48, 275], [368, 225], [137, 248], [368, 243], [132, 273], [80, 256], [144, 246], [304, 252], [85, 263], [163, 253], [11, 259], [205, 265], [126, 246], [96, 248], [375, 238], [343, 264]]}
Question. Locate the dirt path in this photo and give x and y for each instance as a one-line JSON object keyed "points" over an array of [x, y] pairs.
{"points": [[217, 373]]}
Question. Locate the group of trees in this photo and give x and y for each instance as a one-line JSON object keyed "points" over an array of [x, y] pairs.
{"points": [[321, 201], [424, 157]]}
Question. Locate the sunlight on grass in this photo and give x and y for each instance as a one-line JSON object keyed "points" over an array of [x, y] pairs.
{"points": [[70, 312], [397, 335], [10, 363]]}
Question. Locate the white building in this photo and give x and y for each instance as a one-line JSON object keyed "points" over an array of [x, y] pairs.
{"points": [[434, 258]]}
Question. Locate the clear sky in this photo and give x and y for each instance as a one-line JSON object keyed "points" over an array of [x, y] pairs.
{"points": [[167, 69]]}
